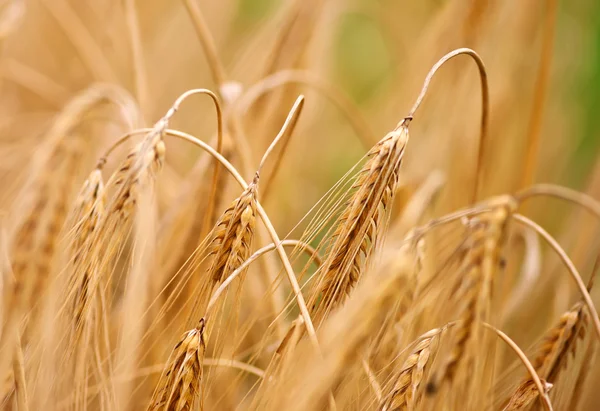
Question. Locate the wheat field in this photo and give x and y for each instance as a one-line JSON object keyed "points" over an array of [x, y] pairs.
{"points": [[298, 205]]}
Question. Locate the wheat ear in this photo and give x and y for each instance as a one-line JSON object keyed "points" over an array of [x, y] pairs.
{"points": [[558, 343], [404, 394], [475, 288], [179, 386], [359, 226]]}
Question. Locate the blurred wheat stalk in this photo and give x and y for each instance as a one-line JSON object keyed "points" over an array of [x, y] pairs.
{"points": [[280, 254]]}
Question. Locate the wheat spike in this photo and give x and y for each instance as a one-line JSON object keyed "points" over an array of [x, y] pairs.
{"points": [[233, 234], [404, 394], [474, 289], [525, 394], [359, 227], [560, 342], [134, 174], [179, 387], [556, 346], [231, 241], [89, 209]]}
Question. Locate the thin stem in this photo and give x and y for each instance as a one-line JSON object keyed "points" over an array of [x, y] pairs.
{"points": [[219, 77], [314, 255], [457, 215], [20, 384], [213, 191], [226, 362], [534, 376], [165, 120], [564, 193], [485, 105], [139, 65], [286, 130], [373, 381], [569, 264], [207, 42], [539, 94]]}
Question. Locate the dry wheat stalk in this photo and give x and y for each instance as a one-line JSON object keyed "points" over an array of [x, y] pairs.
{"points": [[179, 387], [84, 220], [361, 223]]}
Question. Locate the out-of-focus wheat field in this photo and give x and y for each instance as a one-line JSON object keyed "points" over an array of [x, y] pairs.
{"points": [[413, 244]]}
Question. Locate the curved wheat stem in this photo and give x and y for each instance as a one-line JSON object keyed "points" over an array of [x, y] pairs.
{"points": [[485, 105]]}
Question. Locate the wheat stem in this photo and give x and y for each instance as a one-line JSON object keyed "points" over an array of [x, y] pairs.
{"points": [[534, 376], [286, 130], [207, 42], [568, 263], [285, 77], [485, 105], [564, 193], [313, 254]]}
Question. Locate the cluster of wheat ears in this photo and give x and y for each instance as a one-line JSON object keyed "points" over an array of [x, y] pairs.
{"points": [[112, 300]]}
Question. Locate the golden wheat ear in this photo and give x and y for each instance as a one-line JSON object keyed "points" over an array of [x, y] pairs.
{"points": [[179, 386], [360, 225], [88, 210], [473, 292], [407, 389], [551, 356]]}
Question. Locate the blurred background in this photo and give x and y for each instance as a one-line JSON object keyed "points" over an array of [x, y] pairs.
{"points": [[374, 54], [360, 64]]}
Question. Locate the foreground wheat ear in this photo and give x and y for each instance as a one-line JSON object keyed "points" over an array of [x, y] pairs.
{"points": [[360, 227], [405, 392], [233, 234], [179, 386]]}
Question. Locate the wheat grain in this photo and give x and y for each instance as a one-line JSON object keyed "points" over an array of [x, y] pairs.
{"points": [[179, 386], [405, 391]]}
